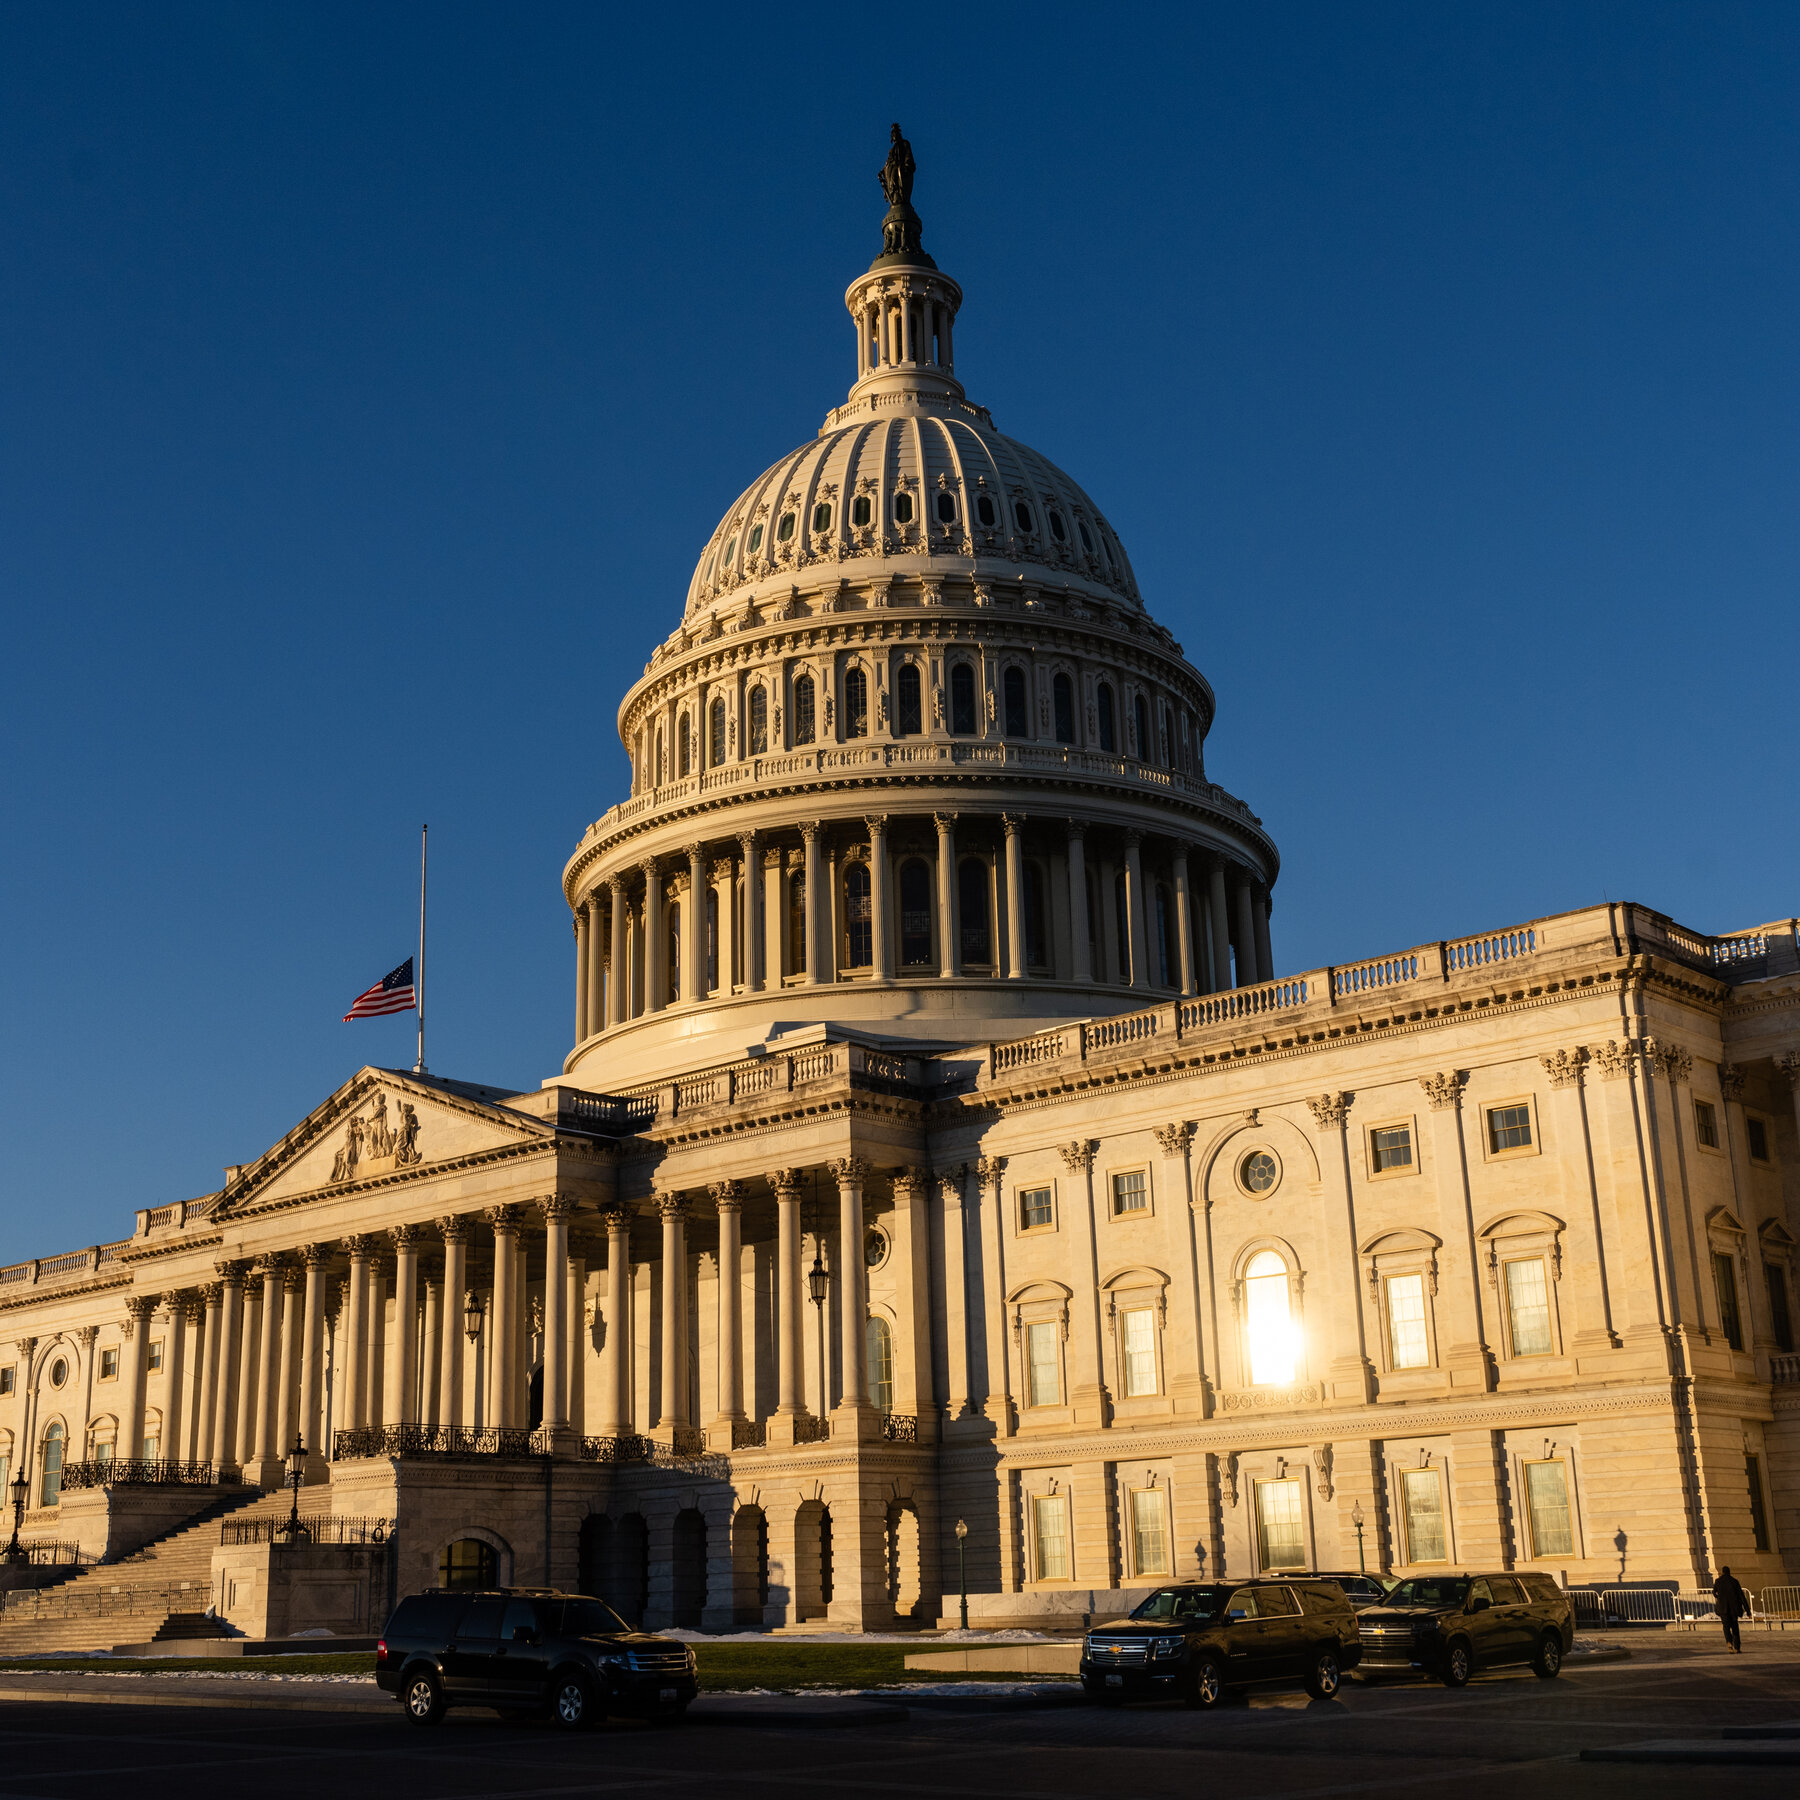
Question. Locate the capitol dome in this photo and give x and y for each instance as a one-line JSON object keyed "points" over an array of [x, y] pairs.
{"points": [[917, 763]]}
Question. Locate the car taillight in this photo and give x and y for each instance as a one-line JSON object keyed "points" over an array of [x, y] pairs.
{"points": [[381, 1649]]}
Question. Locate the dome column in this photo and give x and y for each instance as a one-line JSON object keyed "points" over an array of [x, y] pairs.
{"points": [[1221, 926], [581, 974], [1015, 897], [881, 955], [815, 911], [1138, 938], [1246, 933], [656, 948], [1079, 947], [753, 913], [949, 963], [1184, 920], [693, 972], [1265, 955], [618, 988], [596, 970]]}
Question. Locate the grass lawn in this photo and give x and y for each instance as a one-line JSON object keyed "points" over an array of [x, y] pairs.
{"points": [[346, 1662]]}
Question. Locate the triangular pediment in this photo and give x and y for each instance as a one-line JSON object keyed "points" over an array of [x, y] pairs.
{"points": [[382, 1125]]}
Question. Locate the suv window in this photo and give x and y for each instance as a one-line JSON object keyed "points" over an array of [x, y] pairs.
{"points": [[1243, 1603], [426, 1616], [1479, 1590], [482, 1620], [521, 1615], [589, 1618], [1430, 1590], [1181, 1603], [1507, 1592], [1275, 1603], [1540, 1587], [1321, 1599]]}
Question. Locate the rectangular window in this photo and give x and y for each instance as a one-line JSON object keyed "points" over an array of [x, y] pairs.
{"points": [[1509, 1127], [1758, 1134], [1706, 1124], [1034, 1208], [1131, 1192], [7, 1376], [153, 1358], [1422, 1497], [152, 1449], [1528, 1307], [1046, 1388], [1150, 1531], [1280, 1528], [1407, 1345], [1547, 1500], [1139, 1341], [109, 1365], [1759, 1517], [103, 1453], [1050, 1522], [1393, 1147], [5, 1471], [1725, 1282], [1779, 1317]]}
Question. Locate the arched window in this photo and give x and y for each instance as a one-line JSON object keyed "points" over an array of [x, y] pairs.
{"points": [[673, 952], [1018, 716], [662, 766], [755, 543], [784, 528], [962, 699], [1022, 516], [1058, 530], [797, 923], [1109, 737], [50, 1465], [1122, 921], [1036, 951], [860, 510], [909, 711], [915, 915], [1166, 955], [468, 1563], [984, 511], [1062, 701], [859, 938], [972, 903], [716, 736], [1087, 540], [712, 938], [730, 555], [803, 709], [879, 1343], [903, 509], [946, 509], [1141, 718], [1269, 1335], [759, 721], [684, 747], [856, 704]]}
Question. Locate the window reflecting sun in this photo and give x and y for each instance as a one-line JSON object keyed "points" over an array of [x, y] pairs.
{"points": [[1273, 1342]]}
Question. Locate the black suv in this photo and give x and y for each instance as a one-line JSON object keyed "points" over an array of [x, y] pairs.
{"points": [[1451, 1625], [525, 1651], [1361, 1589], [1192, 1643]]}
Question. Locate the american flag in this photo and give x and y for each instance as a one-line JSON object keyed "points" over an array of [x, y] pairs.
{"points": [[391, 994]]}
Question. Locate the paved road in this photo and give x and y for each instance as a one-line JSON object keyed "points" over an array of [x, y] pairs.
{"points": [[1506, 1735]]}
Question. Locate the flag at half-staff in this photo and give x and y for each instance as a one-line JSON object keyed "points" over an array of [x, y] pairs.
{"points": [[393, 993]]}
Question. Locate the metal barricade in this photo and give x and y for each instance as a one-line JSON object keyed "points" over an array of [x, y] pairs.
{"points": [[1639, 1606], [1590, 1613]]}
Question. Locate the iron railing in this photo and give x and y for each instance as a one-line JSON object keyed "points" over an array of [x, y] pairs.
{"points": [[433, 1440], [900, 1428], [317, 1530], [749, 1434], [118, 1472], [808, 1430], [615, 1449]]}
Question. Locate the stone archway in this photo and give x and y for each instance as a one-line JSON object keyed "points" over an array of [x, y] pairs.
{"points": [[627, 1588], [687, 1568], [595, 1555], [812, 1560], [749, 1565], [905, 1584]]}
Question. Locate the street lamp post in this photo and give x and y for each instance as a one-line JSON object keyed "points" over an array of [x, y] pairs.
{"points": [[293, 1530], [21, 1490], [1356, 1519], [962, 1572], [818, 1284]]}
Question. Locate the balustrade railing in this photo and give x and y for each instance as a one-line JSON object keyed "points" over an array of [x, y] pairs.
{"points": [[900, 1428], [432, 1440], [808, 1430], [615, 1449], [1128, 1028], [1784, 1367], [1242, 1003], [317, 1529], [119, 1472], [1479, 952], [1384, 972]]}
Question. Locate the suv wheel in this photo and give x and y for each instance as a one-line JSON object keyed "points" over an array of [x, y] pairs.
{"points": [[1323, 1677], [1547, 1664], [423, 1699], [1206, 1686], [1459, 1665], [572, 1703]]}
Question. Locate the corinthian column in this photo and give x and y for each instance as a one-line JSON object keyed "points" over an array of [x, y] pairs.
{"points": [[556, 1209], [753, 913], [1135, 912], [1015, 898], [815, 911], [352, 1390], [583, 941], [850, 1173], [882, 956], [693, 974], [312, 1353], [789, 1310], [728, 1197], [1184, 920], [137, 1330], [503, 1357], [405, 1388], [455, 1233], [656, 940], [596, 971], [287, 1377], [674, 1409], [231, 1282], [268, 1471], [949, 957], [618, 986], [615, 1380]]}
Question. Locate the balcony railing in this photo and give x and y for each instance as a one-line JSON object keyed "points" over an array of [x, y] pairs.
{"points": [[433, 1440], [318, 1530], [808, 1430], [616, 1449], [900, 1428], [117, 1472]]}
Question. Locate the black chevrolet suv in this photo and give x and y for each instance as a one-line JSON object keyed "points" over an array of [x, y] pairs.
{"points": [[1451, 1625], [1191, 1643], [527, 1652]]}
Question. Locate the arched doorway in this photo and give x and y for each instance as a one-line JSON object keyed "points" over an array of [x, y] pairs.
{"points": [[468, 1563], [812, 1560], [594, 1557], [627, 1587], [687, 1568], [749, 1565]]}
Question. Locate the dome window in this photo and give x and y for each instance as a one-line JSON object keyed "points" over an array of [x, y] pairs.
{"points": [[946, 509], [1063, 690], [759, 721], [856, 704], [1058, 529], [1022, 516], [915, 915], [859, 510], [715, 734], [984, 511], [822, 516], [908, 713], [1087, 537], [755, 543], [1103, 699], [803, 710], [730, 552], [1140, 717], [903, 509], [1018, 721], [972, 908], [784, 529], [962, 700]]}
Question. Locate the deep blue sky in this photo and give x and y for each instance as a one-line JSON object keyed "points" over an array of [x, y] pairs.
{"points": [[373, 376]]}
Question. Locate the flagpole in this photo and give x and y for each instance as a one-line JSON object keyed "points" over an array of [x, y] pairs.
{"points": [[419, 980]]}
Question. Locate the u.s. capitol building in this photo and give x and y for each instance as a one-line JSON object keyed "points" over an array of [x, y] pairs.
{"points": [[944, 1139]]}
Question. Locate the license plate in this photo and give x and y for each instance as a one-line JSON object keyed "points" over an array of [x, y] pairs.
{"points": [[1115, 1681], [667, 1694]]}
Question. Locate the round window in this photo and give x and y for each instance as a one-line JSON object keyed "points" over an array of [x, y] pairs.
{"points": [[59, 1372], [1258, 1172], [875, 1247]]}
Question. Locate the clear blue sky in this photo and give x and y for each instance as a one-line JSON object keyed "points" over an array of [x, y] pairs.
{"points": [[373, 376]]}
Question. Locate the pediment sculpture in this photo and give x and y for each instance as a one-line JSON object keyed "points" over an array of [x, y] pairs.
{"points": [[374, 1146]]}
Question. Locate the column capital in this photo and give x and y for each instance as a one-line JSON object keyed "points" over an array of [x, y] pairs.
{"points": [[1175, 1139], [747, 842], [617, 1216], [1012, 824], [453, 1228], [876, 822], [649, 868], [1444, 1089], [270, 1267], [945, 822], [950, 1182], [991, 1168], [25, 1346], [318, 1255], [616, 883], [87, 1334], [672, 1207], [1731, 1080], [357, 1245], [1329, 1111], [786, 1183], [1565, 1067], [848, 1169], [1076, 828], [139, 1306], [210, 1293], [504, 1220], [556, 1206], [911, 1179], [1669, 1060], [592, 903], [1132, 836], [406, 1237], [809, 830], [231, 1271], [1789, 1065], [1616, 1061], [728, 1196], [1078, 1155]]}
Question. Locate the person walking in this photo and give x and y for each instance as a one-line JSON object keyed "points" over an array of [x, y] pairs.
{"points": [[1731, 1603]]}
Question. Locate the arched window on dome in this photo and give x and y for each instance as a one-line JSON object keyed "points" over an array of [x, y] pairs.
{"points": [[856, 704], [1109, 735], [903, 509], [1271, 1339], [859, 936], [962, 699], [974, 913], [1162, 716], [915, 915], [984, 511], [755, 543], [1037, 955], [1087, 537], [860, 510], [684, 747], [784, 528], [909, 710], [796, 932], [1062, 702], [822, 516], [715, 748], [946, 508], [712, 939], [1018, 714], [1058, 529], [803, 709], [1140, 718], [672, 952], [759, 721], [1022, 517]]}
